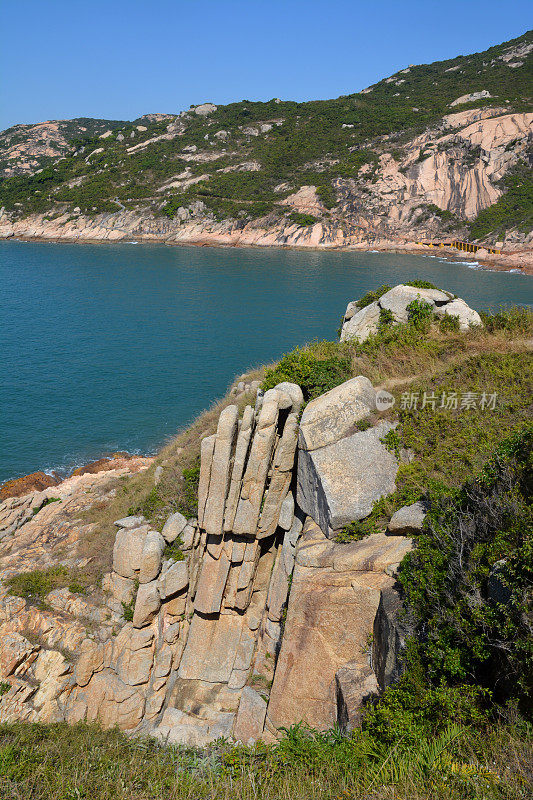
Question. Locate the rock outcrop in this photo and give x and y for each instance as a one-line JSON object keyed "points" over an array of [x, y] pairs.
{"points": [[261, 620], [360, 323]]}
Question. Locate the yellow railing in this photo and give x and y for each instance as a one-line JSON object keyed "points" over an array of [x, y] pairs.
{"points": [[465, 247]]}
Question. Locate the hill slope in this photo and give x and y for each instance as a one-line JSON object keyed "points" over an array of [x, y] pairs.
{"points": [[423, 153]]}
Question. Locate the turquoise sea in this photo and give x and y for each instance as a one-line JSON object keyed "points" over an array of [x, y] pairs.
{"points": [[115, 347]]}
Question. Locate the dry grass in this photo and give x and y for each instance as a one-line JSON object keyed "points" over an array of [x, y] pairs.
{"points": [[387, 365]]}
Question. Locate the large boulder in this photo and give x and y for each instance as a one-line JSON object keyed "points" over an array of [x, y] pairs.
{"points": [[147, 604], [250, 718], [355, 685], [173, 527], [388, 637], [397, 300], [127, 551], [151, 556], [360, 324], [173, 580], [334, 415], [330, 617], [339, 483]]}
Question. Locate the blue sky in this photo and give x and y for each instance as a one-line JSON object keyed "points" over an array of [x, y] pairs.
{"points": [[123, 58]]}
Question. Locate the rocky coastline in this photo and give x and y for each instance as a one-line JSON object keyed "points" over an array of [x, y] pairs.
{"points": [[519, 258]]}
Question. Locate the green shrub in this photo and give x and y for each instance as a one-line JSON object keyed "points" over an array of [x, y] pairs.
{"points": [[152, 503], [372, 296], [35, 585], [188, 505], [357, 530], [46, 503], [515, 320], [316, 370], [305, 220], [174, 551], [4, 688], [461, 633], [386, 318], [449, 323], [326, 194], [129, 608], [420, 315], [514, 209], [421, 284]]}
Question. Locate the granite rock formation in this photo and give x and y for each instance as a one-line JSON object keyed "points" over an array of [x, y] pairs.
{"points": [[360, 323], [261, 619]]}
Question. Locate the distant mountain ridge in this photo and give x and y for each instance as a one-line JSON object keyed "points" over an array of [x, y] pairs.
{"points": [[435, 150]]}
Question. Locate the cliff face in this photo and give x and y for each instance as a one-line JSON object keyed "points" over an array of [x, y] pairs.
{"points": [[456, 172], [278, 602]]}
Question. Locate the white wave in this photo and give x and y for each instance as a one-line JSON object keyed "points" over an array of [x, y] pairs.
{"points": [[472, 264], [516, 271]]}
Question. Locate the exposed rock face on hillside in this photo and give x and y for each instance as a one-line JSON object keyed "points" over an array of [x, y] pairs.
{"points": [[455, 171], [26, 148], [262, 596]]}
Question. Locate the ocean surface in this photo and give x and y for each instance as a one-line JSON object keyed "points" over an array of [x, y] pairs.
{"points": [[116, 347]]}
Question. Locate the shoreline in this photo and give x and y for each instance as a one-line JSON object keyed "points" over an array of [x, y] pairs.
{"points": [[505, 262], [46, 478]]}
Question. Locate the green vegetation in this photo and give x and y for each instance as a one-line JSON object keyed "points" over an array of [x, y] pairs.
{"points": [[174, 551], [316, 369], [420, 315], [372, 296], [355, 531], [514, 209], [449, 322], [420, 284], [451, 761], [302, 219], [129, 608], [386, 318], [469, 628], [154, 505], [46, 503], [35, 585]]}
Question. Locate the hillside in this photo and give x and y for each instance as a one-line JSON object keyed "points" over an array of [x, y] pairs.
{"points": [[308, 594], [438, 150]]}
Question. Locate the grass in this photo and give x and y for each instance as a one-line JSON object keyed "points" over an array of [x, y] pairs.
{"points": [[35, 585], [60, 762], [46, 503]]}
